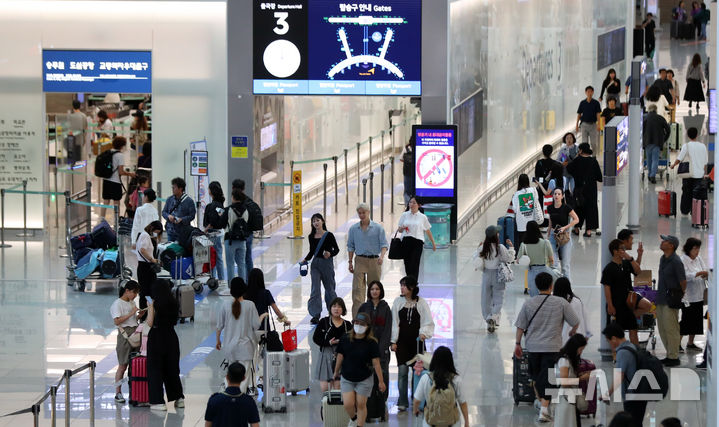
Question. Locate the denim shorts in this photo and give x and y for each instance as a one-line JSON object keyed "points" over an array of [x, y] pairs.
{"points": [[363, 388]]}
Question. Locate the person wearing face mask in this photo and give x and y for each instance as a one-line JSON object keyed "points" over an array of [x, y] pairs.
{"points": [[327, 335], [146, 250], [323, 249], [112, 187], [356, 352], [411, 320]]}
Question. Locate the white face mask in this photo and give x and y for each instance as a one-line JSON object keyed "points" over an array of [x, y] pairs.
{"points": [[360, 329], [155, 234]]}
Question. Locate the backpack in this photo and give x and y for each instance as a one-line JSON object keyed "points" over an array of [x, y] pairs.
{"points": [[255, 220], [239, 230], [407, 166], [647, 361], [103, 164], [441, 407]]}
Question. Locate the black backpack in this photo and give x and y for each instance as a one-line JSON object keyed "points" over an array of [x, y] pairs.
{"points": [[648, 362], [407, 164], [239, 230], [103, 164], [255, 220]]}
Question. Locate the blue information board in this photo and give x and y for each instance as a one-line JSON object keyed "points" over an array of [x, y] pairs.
{"points": [[97, 71], [330, 47]]}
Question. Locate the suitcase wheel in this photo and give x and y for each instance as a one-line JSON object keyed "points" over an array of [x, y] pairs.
{"points": [[197, 286], [182, 320], [212, 284], [192, 319]]}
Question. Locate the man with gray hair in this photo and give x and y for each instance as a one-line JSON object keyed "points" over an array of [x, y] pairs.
{"points": [[367, 240], [670, 292], [654, 133]]}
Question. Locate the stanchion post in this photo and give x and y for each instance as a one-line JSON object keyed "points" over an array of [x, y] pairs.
{"points": [[2, 220], [391, 182], [24, 210], [88, 189], [364, 190], [57, 213], [370, 154], [334, 158], [36, 415], [68, 374], [347, 178], [92, 393], [371, 195], [358, 170], [391, 138], [68, 231], [381, 193], [381, 153], [262, 208], [324, 190], [53, 405]]}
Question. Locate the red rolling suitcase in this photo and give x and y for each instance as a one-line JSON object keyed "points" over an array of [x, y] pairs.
{"points": [[139, 391], [667, 203], [700, 213]]}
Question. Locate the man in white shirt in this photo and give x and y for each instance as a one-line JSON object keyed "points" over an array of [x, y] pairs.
{"points": [[144, 214], [698, 158], [124, 314]]}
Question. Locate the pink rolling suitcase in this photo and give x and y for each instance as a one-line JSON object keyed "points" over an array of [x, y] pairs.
{"points": [[700, 213]]}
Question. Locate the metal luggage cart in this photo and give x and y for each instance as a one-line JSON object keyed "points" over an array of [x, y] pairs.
{"points": [[201, 254], [97, 278]]}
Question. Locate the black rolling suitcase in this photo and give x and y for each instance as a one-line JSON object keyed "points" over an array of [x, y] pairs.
{"points": [[686, 31], [377, 401], [674, 30], [522, 387]]}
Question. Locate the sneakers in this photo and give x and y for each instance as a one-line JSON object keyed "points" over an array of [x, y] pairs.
{"points": [[401, 408], [670, 362], [693, 347], [158, 407], [180, 403], [352, 423], [526, 291], [119, 398], [544, 416], [490, 325]]}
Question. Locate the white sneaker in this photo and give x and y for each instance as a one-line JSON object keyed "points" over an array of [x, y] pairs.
{"points": [[352, 423], [544, 416], [158, 407], [180, 403]]}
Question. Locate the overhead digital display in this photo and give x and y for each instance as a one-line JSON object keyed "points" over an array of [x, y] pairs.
{"points": [[435, 161], [622, 144], [91, 71], [610, 48], [712, 102], [331, 47]]}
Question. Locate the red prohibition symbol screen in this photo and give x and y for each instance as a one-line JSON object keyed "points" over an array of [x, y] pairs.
{"points": [[435, 157], [435, 167]]}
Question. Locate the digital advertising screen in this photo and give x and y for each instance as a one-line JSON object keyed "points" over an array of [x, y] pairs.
{"points": [[435, 161], [268, 136], [92, 71], [330, 47], [622, 144], [469, 116], [610, 48]]}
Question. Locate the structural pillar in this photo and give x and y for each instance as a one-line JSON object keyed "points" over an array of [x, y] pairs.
{"points": [[435, 62], [635, 144]]}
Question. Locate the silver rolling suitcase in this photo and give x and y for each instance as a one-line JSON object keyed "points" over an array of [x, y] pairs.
{"points": [[297, 371], [273, 397], [333, 411]]}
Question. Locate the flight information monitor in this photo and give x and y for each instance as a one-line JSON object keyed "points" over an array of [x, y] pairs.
{"points": [[331, 47]]}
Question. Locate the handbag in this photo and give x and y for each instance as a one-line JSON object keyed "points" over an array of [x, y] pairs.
{"points": [[581, 402], [289, 340], [134, 339], [538, 211], [683, 170], [674, 298], [504, 273], [396, 249], [271, 339], [561, 237]]}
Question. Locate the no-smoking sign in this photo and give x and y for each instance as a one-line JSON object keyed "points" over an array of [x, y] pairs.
{"points": [[435, 168]]}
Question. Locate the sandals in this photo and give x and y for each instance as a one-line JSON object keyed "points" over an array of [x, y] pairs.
{"points": [[585, 234]]}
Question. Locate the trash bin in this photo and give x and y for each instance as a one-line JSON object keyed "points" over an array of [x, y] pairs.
{"points": [[439, 216]]}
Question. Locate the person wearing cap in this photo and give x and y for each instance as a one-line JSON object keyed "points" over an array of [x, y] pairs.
{"points": [[356, 352], [586, 172], [491, 254], [672, 278], [144, 214]]}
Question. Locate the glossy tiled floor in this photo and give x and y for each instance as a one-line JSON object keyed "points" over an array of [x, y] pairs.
{"points": [[48, 327]]}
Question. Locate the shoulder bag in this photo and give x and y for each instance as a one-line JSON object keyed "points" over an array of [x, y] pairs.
{"points": [[535, 313], [134, 339], [538, 209], [683, 170], [504, 271], [271, 339], [396, 249]]}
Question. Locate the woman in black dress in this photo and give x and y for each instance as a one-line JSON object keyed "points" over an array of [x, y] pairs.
{"points": [[412, 325], [586, 172], [163, 348], [695, 81]]}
